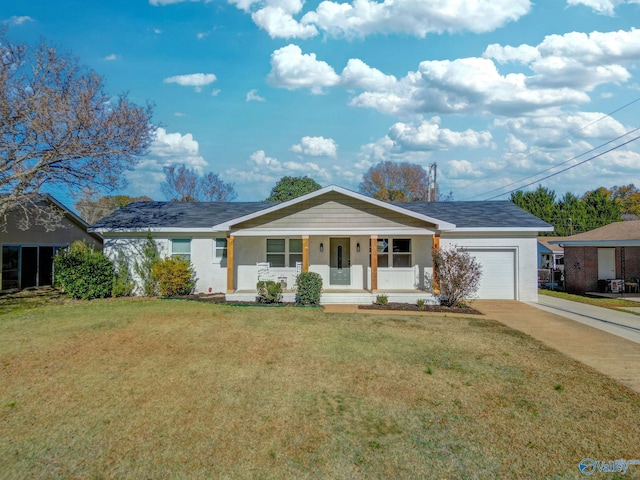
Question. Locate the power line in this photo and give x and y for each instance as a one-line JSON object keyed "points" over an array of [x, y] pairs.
{"points": [[558, 165], [568, 168], [556, 142]]}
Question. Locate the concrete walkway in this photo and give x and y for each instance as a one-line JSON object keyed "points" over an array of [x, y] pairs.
{"points": [[622, 324], [613, 355]]}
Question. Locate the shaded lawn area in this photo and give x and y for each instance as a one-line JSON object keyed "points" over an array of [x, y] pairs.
{"points": [[176, 389]]}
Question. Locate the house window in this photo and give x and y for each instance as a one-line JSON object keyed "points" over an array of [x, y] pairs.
{"points": [[276, 255], [181, 247], [401, 252], [295, 251], [383, 252], [284, 253], [398, 256], [221, 248]]}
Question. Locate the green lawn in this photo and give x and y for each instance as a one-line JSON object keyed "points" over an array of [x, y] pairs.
{"points": [[612, 303], [179, 389]]}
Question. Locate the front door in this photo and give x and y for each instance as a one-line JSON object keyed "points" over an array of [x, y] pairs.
{"points": [[340, 261], [606, 263]]}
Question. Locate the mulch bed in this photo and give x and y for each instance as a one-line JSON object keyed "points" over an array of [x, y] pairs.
{"points": [[409, 307]]}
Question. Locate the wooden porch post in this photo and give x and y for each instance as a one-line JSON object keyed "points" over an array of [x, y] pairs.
{"points": [[230, 264], [435, 247], [374, 263], [305, 253]]}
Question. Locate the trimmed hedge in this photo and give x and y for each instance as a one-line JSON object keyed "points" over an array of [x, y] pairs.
{"points": [[83, 273], [309, 286]]}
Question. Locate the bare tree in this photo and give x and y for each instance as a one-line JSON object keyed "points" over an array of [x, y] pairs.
{"points": [[91, 206], [397, 182], [456, 274], [185, 185], [58, 127]]}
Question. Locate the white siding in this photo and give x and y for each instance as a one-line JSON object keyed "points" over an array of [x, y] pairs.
{"points": [[524, 247]]}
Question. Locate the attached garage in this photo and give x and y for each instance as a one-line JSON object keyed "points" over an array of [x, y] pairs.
{"points": [[498, 273]]}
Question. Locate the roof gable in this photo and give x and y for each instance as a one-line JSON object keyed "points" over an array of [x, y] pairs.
{"points": [[369, 208]]}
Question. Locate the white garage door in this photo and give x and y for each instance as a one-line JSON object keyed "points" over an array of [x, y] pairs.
{"points": [[498, 273]]}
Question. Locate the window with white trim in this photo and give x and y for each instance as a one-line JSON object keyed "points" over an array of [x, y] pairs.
{"points": [[276, 254], [284, 253], [295, 251], [394, 252], [221, 248], [181, 247], [220, 251]]}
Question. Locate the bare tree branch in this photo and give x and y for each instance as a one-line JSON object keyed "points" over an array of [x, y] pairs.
{"points": [[185, 185], [58, 127]]}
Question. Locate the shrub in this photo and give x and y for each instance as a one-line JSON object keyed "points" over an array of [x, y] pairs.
{"points": [[309, 287], [420, 303], [149, 256], [123, 284], [174, 276], [269, 291], [382, 299], [457, 274], [83, 273]]}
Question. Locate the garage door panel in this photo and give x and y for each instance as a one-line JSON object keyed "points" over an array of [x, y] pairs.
{"points": [[498, 273]]}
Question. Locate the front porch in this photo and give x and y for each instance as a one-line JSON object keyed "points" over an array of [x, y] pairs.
{"points": [[345, 296]]}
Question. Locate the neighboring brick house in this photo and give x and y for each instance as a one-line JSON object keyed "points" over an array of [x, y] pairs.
{"points": [[27, 255], [606, 253]]}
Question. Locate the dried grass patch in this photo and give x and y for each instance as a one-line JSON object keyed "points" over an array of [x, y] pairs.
{"points": [[174, 389]]}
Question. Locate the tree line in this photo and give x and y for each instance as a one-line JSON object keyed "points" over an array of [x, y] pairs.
{"points": [[572, 214]]}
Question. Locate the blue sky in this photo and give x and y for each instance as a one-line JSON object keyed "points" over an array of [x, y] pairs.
{"points": [[498, 93]]}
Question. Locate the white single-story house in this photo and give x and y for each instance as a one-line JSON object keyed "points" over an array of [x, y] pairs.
{"points": [[359, 245]]}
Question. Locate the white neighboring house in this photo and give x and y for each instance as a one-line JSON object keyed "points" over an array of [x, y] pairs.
{"points": [[359, 245]]}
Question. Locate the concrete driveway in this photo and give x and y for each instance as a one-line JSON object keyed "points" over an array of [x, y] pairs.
{"points": [[571, 329]]}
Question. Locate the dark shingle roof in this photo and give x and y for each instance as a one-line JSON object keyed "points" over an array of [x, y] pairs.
{"points": [[503, 214], [141, 215]]}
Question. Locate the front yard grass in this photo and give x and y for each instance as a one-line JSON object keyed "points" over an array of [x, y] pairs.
{"points": [[612, 303], [177, 389]]}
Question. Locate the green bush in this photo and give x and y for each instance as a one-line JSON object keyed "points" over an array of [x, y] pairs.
{"points": [[174, 276], [269, 291], [421, 303], [149, 256], [382, 299], [123, 284], [309, 286], [81, 272]]}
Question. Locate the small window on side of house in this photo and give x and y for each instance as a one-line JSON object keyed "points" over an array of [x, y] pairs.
{"points": [[181, 247]]}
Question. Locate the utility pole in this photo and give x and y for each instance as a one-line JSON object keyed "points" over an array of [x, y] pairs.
{"points": [[435, 182]]}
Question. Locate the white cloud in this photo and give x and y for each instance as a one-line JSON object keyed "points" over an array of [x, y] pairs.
{"points": [[427, 135], [358, 74], [413, 17], [276, 18], [197, 80], [291, 69], [18, 20], [161, 3], [556, 129], [261, 168], [110, 58], [166, 149], [215, 92], [175, 148], [461, 169], [252, 96], [316, 147], [605, 7]]}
